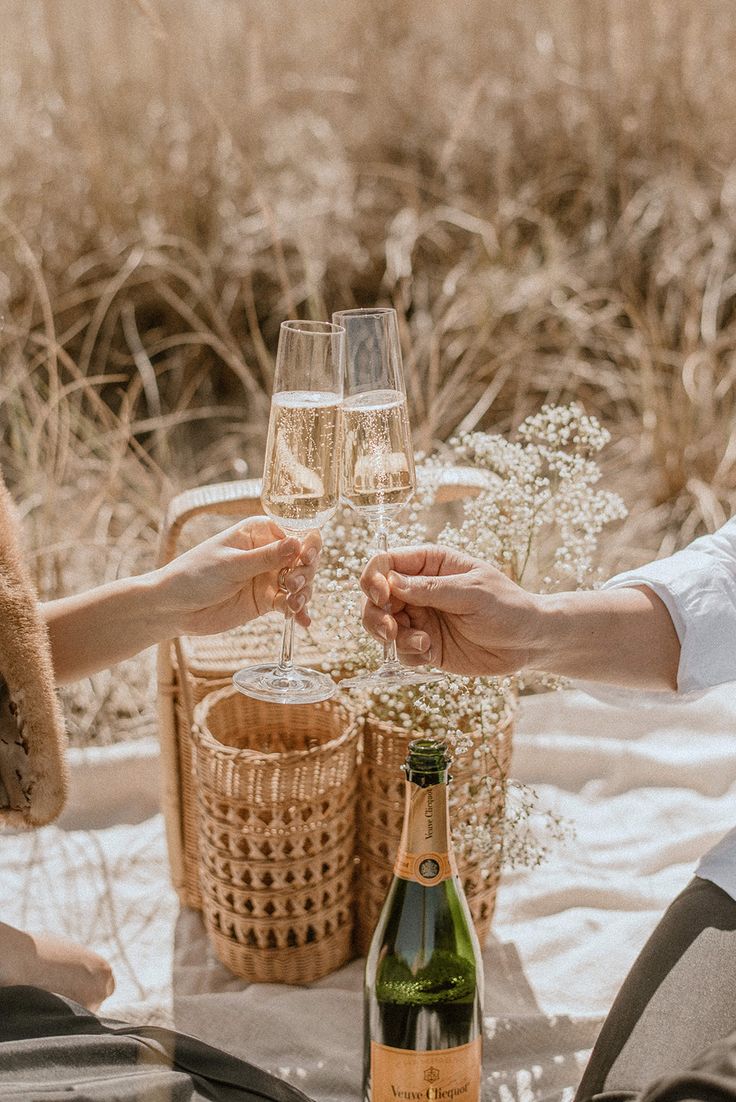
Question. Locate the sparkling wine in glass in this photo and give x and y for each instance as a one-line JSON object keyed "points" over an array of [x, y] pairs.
{"points": [[300, 489], [377, 477]]}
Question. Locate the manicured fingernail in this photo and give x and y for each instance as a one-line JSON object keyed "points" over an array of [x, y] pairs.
{"points": [[297, 604], [309, 555], [419, 641], [294, 582], [375, 595], [396, 581]]}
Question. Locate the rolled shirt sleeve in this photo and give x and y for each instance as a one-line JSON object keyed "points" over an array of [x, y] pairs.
{"points": [[698, 587]]}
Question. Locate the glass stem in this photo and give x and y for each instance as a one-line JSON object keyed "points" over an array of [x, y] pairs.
{"points": [[286, 658], [390, 657]]}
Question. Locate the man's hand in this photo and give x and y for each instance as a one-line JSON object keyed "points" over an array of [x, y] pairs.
{"points": [[234, 577], [450, 610], [459, 613]]}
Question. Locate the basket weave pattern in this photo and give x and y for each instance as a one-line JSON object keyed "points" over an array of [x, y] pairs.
{"points": [[381, 814], [203, 666], [276, 837]]}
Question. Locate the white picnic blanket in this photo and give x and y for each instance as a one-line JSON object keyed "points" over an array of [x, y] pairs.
{"points": [[647, 789]]}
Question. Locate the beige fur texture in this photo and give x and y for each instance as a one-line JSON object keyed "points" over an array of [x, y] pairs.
{"points": [[33, 771]]}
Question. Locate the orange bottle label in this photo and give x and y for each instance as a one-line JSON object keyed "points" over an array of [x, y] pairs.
{"points": [[442, 1075], [425, 853]]}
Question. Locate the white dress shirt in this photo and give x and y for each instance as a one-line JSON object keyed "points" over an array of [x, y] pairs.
{"points": [[698, 586]]}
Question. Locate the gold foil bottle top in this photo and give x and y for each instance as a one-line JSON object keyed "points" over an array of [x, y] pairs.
{"points": [[425, 850]]}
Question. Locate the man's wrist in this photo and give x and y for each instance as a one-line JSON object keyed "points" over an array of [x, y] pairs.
{"points": [[578, 629], [554, 632], [621, 636]]}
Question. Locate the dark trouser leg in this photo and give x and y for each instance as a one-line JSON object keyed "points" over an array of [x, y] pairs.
{"points": [[678, 998]]}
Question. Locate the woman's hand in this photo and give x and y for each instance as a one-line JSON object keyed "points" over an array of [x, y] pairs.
{"points": [[451, 610], [222, 582], [234, 577]]}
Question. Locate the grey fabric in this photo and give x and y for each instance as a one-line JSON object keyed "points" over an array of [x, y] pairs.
{"points": [[711, 1077], [88, 1068], [678, 999], [52, 1048]]}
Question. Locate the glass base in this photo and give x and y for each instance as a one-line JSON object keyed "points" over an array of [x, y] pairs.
{"points": [[392, 675], [284, 684]]}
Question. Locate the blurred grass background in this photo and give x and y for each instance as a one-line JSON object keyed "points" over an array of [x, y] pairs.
{"points": [[546, 191]]}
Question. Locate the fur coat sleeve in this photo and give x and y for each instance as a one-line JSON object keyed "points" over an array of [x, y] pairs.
{"points": [[33, 774]]}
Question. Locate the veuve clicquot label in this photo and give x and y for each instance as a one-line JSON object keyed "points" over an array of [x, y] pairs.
{"points": [[425, 854], [442, 1075]]}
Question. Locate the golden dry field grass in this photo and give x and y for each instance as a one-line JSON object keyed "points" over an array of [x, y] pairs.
{"points": [[546, 191]]}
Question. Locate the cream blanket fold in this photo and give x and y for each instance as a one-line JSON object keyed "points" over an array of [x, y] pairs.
{"points": [[33, 772]]}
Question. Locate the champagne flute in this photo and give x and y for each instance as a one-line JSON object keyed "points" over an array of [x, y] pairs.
{"points": [[300, 487], [378, 477]]}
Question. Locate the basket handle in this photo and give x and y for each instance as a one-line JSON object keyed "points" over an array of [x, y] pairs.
{"points": [[243, 499], [455, 483], [220, 499]]}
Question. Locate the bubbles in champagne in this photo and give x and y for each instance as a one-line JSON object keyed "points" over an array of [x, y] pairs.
{"points": [[300, 477], [378, 460]]}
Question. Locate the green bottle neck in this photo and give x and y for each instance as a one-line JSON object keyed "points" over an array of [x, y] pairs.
{"points": [[427, 762]]}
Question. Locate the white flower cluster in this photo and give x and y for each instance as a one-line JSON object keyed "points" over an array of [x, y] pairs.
{"points": [[538, 517], [541, 516]]}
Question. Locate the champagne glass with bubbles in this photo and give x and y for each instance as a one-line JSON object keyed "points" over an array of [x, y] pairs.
{"points": [[378, 477], [300, 488]]}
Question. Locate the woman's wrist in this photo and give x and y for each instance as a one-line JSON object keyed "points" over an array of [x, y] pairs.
{"points": [[93, 630], [164, 592]]}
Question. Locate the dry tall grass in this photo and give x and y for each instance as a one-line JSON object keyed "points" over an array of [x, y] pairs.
{"points": [[545, 190]]}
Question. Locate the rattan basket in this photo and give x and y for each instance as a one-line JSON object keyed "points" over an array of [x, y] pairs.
{"points": [[254, 894], [381, 813], [189, 668], [276, 799]]}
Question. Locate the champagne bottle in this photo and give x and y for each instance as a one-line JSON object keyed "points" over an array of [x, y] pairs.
{"points": [[424, 973]]}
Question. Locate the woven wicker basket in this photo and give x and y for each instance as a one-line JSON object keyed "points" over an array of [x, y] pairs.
{"points": [[191, 667], [276, 797], [381, 813], [206, 857]]}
